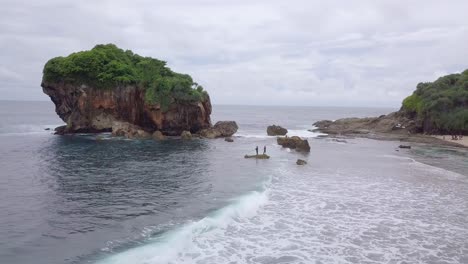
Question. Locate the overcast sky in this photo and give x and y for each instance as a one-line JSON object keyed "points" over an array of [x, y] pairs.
{"points": [[322, 53]]}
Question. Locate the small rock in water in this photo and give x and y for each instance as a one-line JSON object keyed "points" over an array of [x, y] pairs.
{"points": [[294, 143], [339, 140], [125, 129], [220, 129], [405, 146], [229, 139], [275, 130], [186, 135], [301, 162], [158, 135], [46, 128]]}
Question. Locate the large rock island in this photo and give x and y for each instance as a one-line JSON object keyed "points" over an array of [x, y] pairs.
{"points": [[100, 88], [439, 107]]}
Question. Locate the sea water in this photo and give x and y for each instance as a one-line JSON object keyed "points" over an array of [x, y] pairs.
{"points": [[90, 199]]}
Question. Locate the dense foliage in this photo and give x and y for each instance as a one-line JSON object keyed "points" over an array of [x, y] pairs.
{"points": [[107, 66], [440, 106]]}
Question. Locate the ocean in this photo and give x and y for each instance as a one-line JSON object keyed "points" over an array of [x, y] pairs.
{"points": [[104, 200]]}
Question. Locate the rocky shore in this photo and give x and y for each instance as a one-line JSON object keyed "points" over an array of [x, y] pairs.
{"points": [[394, 126]]}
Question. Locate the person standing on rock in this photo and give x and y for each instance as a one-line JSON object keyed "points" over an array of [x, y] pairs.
{"points": [[264, 150], [256, 149]]}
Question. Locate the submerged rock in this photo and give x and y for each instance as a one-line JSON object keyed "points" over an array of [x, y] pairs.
{"points": [[186, 135], [405, 146], [261, 156], [158, 135], [294, 143], [220, 129], [301, 162], [229, 139], [275, 130], [125, 129]]}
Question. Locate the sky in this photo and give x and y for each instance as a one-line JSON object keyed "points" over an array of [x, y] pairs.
{"points": [[265, 52]]}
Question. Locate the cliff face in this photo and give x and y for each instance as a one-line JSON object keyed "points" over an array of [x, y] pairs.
{"points": [[87, 110]]}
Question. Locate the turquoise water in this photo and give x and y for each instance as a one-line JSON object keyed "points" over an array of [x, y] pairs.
{"points": [[77, 199]]}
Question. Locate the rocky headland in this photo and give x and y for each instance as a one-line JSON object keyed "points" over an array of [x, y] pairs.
{"points": [[107, 89], [437, 108]]}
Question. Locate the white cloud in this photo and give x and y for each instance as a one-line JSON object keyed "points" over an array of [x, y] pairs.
{"points": [[369, 53]]}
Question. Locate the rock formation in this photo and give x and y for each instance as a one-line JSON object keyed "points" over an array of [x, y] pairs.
{"points": [[294, 143], [186, 135], [125, 129], [88, 110], [220, 129], [275, 130]]}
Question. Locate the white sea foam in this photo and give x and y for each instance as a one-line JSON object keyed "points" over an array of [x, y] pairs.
{"points": [[172, 245], [304, 133], [407, 212]]}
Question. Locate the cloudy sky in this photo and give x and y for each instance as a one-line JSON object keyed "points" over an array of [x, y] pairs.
{"points": [[268, 52]]}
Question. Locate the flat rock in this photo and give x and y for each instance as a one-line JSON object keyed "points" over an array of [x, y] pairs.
{"points": [[261, 156]]}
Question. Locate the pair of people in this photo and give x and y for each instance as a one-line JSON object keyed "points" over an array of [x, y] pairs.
{"points": [[264, 150]]}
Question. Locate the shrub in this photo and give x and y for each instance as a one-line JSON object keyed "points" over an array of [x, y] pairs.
{"points": [[107, 67], [441, 106]]}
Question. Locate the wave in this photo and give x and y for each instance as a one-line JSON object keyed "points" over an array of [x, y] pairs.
{"points": [[303, 133], [167, 247]]}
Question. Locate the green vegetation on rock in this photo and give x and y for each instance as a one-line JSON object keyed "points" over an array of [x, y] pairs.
{"points": [[440, 106], [107, 67]]}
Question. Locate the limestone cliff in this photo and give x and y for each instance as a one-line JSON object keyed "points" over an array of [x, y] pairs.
{"points": [[86, 109]]}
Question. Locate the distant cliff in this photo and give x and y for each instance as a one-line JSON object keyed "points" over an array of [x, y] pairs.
{"points": [[93, 89]]}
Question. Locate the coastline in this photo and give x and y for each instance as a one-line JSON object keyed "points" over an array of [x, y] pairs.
{"points": [[413, 138], [395, 126]]}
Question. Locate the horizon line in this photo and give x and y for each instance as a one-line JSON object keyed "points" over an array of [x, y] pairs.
{"points": [[235, 104]]}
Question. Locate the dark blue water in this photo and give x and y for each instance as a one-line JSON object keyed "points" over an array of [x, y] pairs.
{"points": [[88, 199]]}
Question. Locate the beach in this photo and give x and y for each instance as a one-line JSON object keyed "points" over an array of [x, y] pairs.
{"points": [[448, 138]]}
